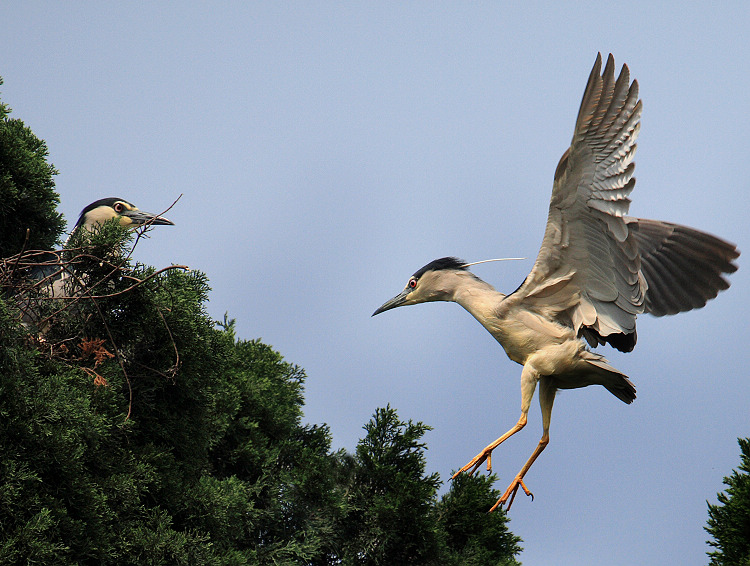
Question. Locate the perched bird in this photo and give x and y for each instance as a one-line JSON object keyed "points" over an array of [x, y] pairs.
{"points": [[596, 271], [128, 215], [95, 214], [52, 273]]}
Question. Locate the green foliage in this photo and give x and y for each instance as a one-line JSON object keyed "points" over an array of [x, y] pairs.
{"points": [[390, 519], [473, 536], [212, 465], [26, 190], [729, 521], [392, 513]]}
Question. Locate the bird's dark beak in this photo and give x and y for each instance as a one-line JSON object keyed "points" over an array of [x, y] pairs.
{"points": [[139, 218], [396, 301]]}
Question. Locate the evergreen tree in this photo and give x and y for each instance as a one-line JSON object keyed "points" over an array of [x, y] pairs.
{"points": [[729, 521], [390, 519], [393, 516], [134, 430], [150, 433], [474, 537], [27, 190]]}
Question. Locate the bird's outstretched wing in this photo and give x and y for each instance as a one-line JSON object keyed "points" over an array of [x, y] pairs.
{"points": [[588, 271], [598, 268]]}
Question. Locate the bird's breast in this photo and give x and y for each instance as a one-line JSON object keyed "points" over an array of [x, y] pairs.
{"points": [[520, 331], [524, 334]]}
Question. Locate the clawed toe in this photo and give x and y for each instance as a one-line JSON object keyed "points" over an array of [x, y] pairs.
{"points": [[511, 493], [475, 462]]}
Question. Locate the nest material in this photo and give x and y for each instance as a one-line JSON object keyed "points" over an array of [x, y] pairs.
{"points": [[65, 298]]}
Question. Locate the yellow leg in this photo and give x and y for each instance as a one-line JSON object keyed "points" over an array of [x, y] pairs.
{"points": [[529, 378], [518, 480], [546, 399], [486, 454]]}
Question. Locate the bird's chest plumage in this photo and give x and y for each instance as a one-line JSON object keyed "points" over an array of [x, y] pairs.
{"points": [[523, 334], [518, 340], [520, 331]]}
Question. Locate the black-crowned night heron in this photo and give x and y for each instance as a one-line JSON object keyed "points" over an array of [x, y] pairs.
{"points": [[128, 215], [596, 271], [93, 215], [53, 272]]}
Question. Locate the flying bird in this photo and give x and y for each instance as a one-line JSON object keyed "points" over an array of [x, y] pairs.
{"points": [[596, 271]]}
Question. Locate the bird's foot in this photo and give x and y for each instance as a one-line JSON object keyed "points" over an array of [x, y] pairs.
{"points": [[476, 461], [511, 493], [486, 454]]}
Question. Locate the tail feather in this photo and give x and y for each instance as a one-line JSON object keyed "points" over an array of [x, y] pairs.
{"points": [[616, 382]]}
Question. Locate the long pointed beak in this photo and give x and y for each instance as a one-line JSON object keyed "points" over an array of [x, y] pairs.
{"points": [[140, 217], [396, 301]]}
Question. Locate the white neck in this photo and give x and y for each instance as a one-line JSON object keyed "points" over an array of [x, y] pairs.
{"points": [[478, 297]]}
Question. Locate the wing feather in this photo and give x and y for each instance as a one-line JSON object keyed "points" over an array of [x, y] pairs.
{"points": [[597, 268], [587, 247]]}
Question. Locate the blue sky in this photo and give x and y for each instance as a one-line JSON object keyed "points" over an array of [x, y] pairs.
{"points": [[326, 151]]}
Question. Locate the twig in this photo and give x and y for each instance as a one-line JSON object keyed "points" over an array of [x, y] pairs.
{"points": [[23, 248], [65, 269]]}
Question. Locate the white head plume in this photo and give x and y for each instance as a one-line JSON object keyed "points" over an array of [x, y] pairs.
{"points": [[496, 259]]}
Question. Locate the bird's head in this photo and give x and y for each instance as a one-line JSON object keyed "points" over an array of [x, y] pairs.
{"points": [[127, 214], [436, 281]]}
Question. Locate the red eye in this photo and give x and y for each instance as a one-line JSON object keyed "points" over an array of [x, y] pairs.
{"points": [[412, 283], [118, 207]]}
